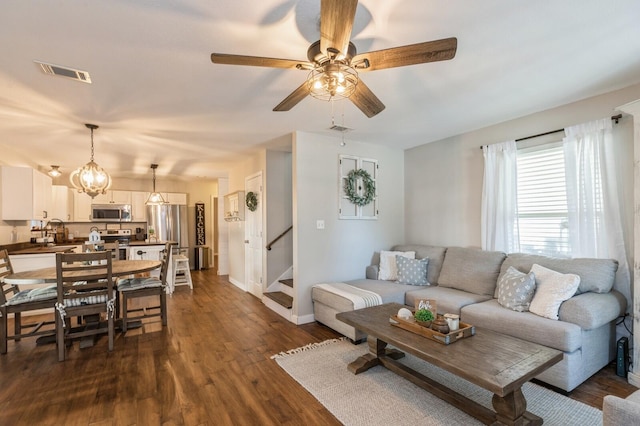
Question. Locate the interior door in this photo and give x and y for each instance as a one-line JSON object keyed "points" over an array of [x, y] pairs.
{"points": [[253, 237]]}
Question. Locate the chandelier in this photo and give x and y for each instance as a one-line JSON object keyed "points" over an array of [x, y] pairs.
{"points": [[155, 198], [91, 178], [334, 80]]}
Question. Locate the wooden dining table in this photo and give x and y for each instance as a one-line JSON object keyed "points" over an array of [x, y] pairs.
{"points": [[119, 268]]}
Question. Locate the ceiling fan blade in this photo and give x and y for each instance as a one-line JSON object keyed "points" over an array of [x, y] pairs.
{"points": [[258, 61], [336, 23], [365, 100], [294, 98], [420, 53]]}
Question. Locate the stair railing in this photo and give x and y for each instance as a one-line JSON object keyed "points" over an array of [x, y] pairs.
{"points": [[278, 237]]}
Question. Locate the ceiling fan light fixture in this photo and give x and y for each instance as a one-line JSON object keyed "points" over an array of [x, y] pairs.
{"points": [[91, 178], [55, 171], [332, 81], [155, 198]]}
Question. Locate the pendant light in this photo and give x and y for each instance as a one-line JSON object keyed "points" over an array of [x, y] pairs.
{"points": [[155, 198], [91, 178]]}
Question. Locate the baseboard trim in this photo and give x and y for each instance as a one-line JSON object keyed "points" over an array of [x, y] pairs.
{"points": [[305, 319], [633, 379], [238, 284]]}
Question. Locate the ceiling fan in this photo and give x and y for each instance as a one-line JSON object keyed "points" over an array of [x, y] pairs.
{"points": [[334, 63]]}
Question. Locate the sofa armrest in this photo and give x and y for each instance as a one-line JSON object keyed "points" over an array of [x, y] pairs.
{"points": [[617, 411], [372, 272], [592, 310]]}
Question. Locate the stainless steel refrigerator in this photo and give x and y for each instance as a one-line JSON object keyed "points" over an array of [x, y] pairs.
{"points": [[169, 221]]}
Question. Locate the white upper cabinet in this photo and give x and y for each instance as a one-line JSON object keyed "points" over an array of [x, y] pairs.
{"points": [[62, 203], [113, 197], [175, 197], [138, 207], [81, 207], [26, 194]]}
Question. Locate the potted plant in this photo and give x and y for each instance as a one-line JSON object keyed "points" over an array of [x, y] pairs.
{"points": [[423, 317]]}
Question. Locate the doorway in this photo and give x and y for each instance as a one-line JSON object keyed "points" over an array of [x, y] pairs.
{"points": [[253, 236]]}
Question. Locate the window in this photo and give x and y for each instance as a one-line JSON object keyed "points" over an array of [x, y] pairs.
{"points": [[542, 219]]}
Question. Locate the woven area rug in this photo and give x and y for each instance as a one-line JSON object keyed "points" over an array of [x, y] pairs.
{"points": [[380, 397]]}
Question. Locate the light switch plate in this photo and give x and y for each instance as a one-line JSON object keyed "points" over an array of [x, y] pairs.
{"points": [[320, 224]]}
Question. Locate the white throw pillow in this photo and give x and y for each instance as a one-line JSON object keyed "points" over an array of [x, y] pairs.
{"points": [[552, 288], [388, 267]]}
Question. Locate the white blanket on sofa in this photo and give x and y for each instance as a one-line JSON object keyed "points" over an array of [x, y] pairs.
{"points": [[359, 297]]}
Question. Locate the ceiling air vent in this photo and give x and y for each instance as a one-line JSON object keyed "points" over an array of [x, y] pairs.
{"points": [[61, 71]]}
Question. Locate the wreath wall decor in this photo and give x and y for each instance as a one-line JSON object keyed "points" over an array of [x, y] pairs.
{"points": [[251, 201], [351, 187]]}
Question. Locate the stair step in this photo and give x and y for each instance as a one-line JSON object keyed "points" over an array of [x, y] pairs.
{"points": [[287, 282], [280, 298]]}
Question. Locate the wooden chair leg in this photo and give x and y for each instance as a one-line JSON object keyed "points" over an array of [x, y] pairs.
{"points": [[60, 337], [3, 331], [111, 329], [163, 306], [17, 325], [124, 312]]}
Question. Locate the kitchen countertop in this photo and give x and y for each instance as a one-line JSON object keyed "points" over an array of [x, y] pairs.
{"points": [[146, 243], [44, 249]]}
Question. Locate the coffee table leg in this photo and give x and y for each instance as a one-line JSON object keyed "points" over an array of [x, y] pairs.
{"points": [[377, 349], [511, 410]]}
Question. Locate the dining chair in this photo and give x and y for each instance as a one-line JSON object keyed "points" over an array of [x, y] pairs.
{"points": [[15, 301], [131, 288], [85, 288], [111, 247]]}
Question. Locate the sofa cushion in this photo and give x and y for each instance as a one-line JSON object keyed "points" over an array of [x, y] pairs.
{"points": [[388, 266], [412, 271], [471, 269], [435, 254], [448, 300], [389, 291], [515, 289], [552, 288], [596, 275], [564, 336]]}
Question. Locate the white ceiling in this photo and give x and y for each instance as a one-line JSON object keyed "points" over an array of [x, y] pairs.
{"points": [[158, 98]]}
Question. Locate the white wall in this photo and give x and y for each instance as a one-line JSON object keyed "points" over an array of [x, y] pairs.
{"points": [[248, 167], [344, 248], [278, 200], [443, 179]]}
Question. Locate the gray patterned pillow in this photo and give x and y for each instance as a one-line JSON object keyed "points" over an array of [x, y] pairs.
{"points": [[412, 271], [516, 289]]}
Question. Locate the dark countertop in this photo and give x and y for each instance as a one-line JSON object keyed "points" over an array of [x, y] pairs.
{"points": [[155, 243], [44, 249]]}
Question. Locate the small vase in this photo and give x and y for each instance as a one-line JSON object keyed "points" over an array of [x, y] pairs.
{"points": [[424, 323], [440, 325]]}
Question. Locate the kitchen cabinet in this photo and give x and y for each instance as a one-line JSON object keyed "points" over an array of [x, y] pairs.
{"points": [[138, 206], [26, 194], [234, 206], [175, 197], [113, 197], [62, 203], [81, 207], [151, 252]]}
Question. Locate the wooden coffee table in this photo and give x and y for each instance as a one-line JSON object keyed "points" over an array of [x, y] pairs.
{"points": [[493, 361]]}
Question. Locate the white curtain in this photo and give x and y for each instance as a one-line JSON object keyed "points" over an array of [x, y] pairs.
{"points": [[500, 198], [595, 220]]}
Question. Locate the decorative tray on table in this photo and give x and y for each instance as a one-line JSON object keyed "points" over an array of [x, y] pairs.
{"points": [[465, 330], [414, 326]]}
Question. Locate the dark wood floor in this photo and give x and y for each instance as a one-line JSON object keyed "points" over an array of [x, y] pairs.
{"points": [[210, 365]]}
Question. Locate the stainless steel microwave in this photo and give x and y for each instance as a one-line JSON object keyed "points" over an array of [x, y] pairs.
{"points": [[111, 212]]}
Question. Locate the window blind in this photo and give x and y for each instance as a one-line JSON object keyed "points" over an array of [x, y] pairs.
{"points": [[542, 201]]}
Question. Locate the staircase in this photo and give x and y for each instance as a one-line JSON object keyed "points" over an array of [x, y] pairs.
{"points": [[281, 299]]}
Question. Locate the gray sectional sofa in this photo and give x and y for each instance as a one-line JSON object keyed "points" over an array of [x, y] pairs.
{"points": [[464, 281]]}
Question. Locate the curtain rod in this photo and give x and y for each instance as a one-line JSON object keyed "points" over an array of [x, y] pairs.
{"points": [[613, 117]]}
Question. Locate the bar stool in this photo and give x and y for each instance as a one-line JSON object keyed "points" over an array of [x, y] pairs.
{"points": [[181, 271]]}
